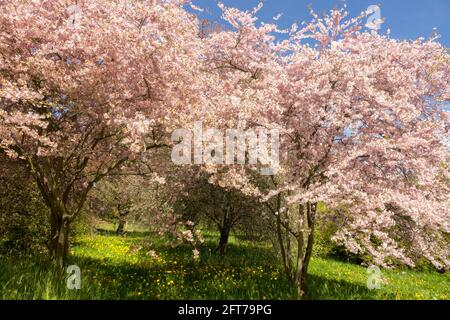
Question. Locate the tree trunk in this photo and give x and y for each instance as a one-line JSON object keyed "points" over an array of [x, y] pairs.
{"points": [[121, 228], [123, 213], [296, 266], [224, 233], [59, 240], [310, 212], [299, 279]]}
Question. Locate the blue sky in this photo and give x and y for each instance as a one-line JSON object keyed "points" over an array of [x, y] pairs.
{"points": [[407, 19]]}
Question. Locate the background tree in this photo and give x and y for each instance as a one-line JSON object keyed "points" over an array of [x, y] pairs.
{"points": [[126, 197], [224, 209]]}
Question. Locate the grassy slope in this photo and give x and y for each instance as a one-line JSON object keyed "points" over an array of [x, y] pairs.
{"points": [[250, 271]]}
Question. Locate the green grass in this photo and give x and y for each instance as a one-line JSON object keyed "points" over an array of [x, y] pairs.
{"points": [[109, 270]]}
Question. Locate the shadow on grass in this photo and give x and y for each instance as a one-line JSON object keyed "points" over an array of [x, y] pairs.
{"points": [[183, 278], [129, 234], [322, 288]]}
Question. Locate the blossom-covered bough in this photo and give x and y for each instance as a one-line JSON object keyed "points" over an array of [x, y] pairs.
{"points": [[362, 116], [364, 128], [85, 90]]}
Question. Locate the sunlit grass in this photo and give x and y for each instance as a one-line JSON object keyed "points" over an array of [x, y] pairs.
{"points": [[145, 266]]}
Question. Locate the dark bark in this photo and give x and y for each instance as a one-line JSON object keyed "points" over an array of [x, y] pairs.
{"points": [[224, 234], [59, 240], [311, 212], [123, 213], [121, 227]]}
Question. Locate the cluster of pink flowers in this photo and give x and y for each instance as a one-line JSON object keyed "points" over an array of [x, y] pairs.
{"points": [[361, 115]]}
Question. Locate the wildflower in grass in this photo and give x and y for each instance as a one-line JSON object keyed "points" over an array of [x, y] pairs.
{"points": [[196, 254], [153, 254]]}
